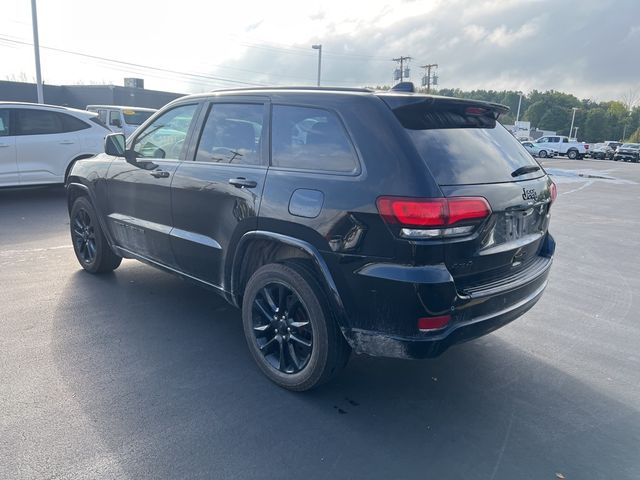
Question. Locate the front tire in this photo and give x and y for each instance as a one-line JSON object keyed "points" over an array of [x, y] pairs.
{"points": [[89, 243], [290, 329]]}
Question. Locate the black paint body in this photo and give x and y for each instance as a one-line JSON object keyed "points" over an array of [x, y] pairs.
{"points": [[196, 224]]}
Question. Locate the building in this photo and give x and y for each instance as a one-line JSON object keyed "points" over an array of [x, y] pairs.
{"points": [[79, 96]]}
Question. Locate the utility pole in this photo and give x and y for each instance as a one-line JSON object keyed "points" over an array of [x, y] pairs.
{"points": [[401, 60], [36, 48], [426, 80], [573, 119], [519, 103], [319, 48]]}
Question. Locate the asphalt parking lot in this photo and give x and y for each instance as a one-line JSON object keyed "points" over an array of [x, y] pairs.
{"points": [[138, 374]]}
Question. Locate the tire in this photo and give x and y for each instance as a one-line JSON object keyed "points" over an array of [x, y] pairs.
{"points": [[319, 349], [572, 154], [89, 243], [542, 154]]}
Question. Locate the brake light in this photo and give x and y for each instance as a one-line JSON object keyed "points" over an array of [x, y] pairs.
{"points": [[432, 212], [475, 111], [553, 190]]}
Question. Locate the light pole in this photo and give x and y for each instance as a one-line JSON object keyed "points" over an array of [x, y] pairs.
{"points": [[36, 48], [519, 103], [576, 135], [573, 117], [319, 48]]}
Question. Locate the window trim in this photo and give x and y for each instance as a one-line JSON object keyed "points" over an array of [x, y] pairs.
{"points": [[9, 123], [188, 138], [357, 171], [266, 131]]}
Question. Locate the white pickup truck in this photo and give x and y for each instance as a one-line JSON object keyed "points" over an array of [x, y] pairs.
{"points": [[563, 145]]}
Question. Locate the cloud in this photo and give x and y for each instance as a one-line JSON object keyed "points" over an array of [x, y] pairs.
{"points": [[588, 47]]}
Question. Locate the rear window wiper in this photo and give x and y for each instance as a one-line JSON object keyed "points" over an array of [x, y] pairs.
{"points": [[526, 169]]}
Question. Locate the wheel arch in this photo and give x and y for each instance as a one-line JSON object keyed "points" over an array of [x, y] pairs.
{"points": [[73, 161], [257, 248], [77, 189]]}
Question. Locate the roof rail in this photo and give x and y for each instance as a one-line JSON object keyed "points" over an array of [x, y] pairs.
{"points": [[295, 87]]}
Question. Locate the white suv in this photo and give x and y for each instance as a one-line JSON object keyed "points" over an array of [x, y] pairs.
{"points": [[39, 143]]}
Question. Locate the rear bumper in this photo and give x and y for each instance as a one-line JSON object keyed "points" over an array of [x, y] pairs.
{"points": [[395, 296]]}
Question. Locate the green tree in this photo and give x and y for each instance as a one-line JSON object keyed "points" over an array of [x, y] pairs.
{"points": [[596, 127], [556, 118]]}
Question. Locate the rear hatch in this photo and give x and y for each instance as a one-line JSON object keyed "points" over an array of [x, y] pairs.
{"points": [[471, 155]]}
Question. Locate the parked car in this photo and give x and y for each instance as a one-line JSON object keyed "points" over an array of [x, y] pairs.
{"points": [[39, 143], [563, 145], [628, 152], [539, 151], [122, 119], [612, 144], [601, 151], [336, 219]]}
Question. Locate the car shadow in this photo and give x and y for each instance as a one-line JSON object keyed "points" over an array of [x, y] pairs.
{"points": [[161, 369]]}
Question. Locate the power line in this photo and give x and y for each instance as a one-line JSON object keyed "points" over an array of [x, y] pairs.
{"points": [[131, 64]]}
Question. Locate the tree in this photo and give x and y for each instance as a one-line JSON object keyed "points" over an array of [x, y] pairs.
{"points": [[556, 118], [596, 128]]}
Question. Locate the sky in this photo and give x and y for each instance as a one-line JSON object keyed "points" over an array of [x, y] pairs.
{"points": [[590, 48]]}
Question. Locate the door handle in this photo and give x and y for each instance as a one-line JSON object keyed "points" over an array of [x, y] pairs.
{"points": [[159, 173], [242, 182], [67, 142]]}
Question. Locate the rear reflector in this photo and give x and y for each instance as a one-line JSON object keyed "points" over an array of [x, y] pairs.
{"points": [[432, 212], [433, 323]]}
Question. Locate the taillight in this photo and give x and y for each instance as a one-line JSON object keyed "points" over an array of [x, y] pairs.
{"points": [[553, 190], [434, 216]]}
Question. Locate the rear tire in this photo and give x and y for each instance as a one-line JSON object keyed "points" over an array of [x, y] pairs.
{"points": [[89, 243], [542, 154], [572, 154], [290, 329]]}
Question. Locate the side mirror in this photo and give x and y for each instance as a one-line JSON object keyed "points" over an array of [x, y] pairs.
{"points": [[114, 145]]}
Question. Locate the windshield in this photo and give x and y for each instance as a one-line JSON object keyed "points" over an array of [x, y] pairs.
{"points": [[136, 117], [631, 145]]}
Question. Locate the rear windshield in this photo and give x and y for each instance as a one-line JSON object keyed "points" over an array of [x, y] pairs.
{"points": [[135, 117], [463, 150]]}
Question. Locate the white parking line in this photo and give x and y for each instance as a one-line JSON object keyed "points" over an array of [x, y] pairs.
{"points": [[9, 253]]}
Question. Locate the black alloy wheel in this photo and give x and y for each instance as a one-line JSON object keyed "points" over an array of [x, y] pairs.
{"points": [[282, 328], [84, 236]]}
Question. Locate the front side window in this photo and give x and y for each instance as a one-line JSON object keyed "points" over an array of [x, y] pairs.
{"points": [[4, 122], [310, 139], [232, 134], [37, 122], [165, 137], [542, 140], [114, 118]]}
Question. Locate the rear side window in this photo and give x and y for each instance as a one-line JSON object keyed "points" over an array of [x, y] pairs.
{"points": [[72, 124], [37, 122], [4, 122], [468, 151], [232, 134], [310, 139], [135, 117]]}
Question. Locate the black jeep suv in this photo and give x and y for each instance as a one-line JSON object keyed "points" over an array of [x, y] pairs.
{"points": [[393, 224]]}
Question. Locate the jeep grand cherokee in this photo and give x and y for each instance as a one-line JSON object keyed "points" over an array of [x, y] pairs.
{"points": [[392, 224]]}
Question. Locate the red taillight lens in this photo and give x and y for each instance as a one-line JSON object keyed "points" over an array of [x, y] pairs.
{"points": [[553, 190], [413, 212], [467, 208], [433, 323], [432, 212]]}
